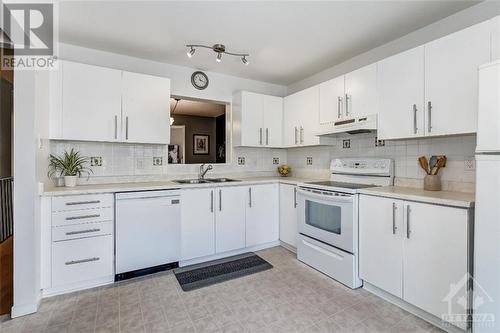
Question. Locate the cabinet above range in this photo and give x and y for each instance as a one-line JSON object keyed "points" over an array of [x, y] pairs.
{"points": [[92, 103]]}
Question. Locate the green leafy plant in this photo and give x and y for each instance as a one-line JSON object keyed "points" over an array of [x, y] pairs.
{"points": [[69, 164]]}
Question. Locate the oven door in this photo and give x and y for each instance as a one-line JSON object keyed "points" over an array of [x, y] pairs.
{"points": [[327, 216]]}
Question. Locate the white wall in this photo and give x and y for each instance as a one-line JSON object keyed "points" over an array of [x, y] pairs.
{"points": [[470, 16]]}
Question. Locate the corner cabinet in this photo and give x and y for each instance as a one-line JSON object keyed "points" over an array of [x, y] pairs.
{"points": [[92, 103], [415, 251], [257, 120], [301, 118]]}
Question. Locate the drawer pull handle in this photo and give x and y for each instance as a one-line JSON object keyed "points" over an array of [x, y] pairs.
{"points": [[75, 203], [81, 261], [82, 231], [82, 217]]}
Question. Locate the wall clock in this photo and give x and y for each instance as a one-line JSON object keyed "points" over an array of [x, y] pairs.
{"points": [[199, 80]]}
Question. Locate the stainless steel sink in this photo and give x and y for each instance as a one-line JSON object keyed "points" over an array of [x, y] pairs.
{"points": [[222, 180], [191, 181]]}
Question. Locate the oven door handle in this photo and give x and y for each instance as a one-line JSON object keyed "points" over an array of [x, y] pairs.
{"points": [[332, 198]]}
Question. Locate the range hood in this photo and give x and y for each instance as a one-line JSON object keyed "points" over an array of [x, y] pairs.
{"points": [[357, 125]]}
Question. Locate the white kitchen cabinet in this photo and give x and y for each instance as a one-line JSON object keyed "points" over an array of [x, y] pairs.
{"points": [[301, 114], [361, 97], [288, 214], [262, 214], [198, 225], [435, 257], [258, 120], [380, 243], [451, 79], [230, 218], [400, 88], [415, 251], [90, 103], [146, 108], [495, 38], [331, 100]]}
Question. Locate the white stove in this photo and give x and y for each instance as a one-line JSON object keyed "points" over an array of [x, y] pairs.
{"points": [[328, 216]]}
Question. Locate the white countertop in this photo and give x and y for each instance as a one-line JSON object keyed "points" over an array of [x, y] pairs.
{"points": [[162, 185], [446, 198]]}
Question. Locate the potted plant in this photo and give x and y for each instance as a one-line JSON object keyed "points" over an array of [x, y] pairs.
{"points": [[71, 166]]}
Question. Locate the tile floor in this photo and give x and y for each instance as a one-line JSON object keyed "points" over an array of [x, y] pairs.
{"points": [[291, 297]]}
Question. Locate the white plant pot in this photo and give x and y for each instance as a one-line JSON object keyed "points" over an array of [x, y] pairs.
{"points": [[70, 181]]}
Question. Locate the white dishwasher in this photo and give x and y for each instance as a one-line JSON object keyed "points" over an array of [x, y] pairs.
{"points": [[147, 232]]}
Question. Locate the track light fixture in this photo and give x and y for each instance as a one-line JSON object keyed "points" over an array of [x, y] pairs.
{"points": [[220, 49]]}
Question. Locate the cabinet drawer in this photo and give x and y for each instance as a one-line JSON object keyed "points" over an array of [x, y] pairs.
{"points": [[77, 202], [81, 260], [82, 216], [82, 230]]}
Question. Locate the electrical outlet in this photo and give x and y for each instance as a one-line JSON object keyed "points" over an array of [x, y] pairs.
{"points": [[470, 164], [96, 161], [140, 164], [276, 160], [309, 160], [379, 143], [241, 161], [157, 161], [346, 144]]}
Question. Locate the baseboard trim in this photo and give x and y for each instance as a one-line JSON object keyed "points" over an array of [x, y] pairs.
{"points": [[288, 247], [26, 309], [49, 292], [411, 309]]}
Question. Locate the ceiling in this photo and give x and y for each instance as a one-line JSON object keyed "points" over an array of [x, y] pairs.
{"points": [[197, 108], [287, 40]]}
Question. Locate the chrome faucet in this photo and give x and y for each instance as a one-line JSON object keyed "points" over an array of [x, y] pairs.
{"points": [[203, 171]]}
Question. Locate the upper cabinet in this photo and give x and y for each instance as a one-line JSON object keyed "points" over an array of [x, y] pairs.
{"points": [[257, 120], [92, 103], [495, 38], [451, 80], [432, 90], [301, 118], [331, 101]]}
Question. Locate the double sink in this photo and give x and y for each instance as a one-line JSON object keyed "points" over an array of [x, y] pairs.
{"points": [[204, 181]]}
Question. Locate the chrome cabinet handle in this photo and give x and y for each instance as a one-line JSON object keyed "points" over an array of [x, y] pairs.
{"points": [[250, 197], [301, 134], [220, 200], [211, 201], [415, 129], [408, 231], [82, 217], [394, 228], [339, 107], [82, 231], [126, 128], [267, 136], [75, 203], [81, 261], [295, 134], [294, 197], [429, 109], [347, 99], [116, 127], [260, 136]]}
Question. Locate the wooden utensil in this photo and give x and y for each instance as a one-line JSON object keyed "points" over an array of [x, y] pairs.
{"points": [[433, 161], [441, 163], [424, 164]]}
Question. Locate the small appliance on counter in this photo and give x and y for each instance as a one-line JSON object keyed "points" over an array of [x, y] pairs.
{"points": [[328, 216]]}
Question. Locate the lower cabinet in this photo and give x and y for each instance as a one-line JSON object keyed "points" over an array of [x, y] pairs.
{"points": [[288, 214], [417, 252], [230, 218], [262, 214]]}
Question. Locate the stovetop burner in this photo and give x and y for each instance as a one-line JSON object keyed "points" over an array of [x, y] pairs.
{"points": [[351, 186]]}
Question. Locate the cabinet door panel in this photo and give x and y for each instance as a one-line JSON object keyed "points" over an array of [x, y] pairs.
{"points": [[230, 218], [288, 214], [330, 108], [308, 109], [435, 257], [291, 112], [198, 225], [146, 108], [91, 102], [252, 119], [400, 86], [273, 121], [361, 97], [451, 80], [380, 247], [262, 214]]}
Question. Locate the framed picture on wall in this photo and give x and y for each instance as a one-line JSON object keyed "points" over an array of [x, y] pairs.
{"points": [[201, 144]]}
